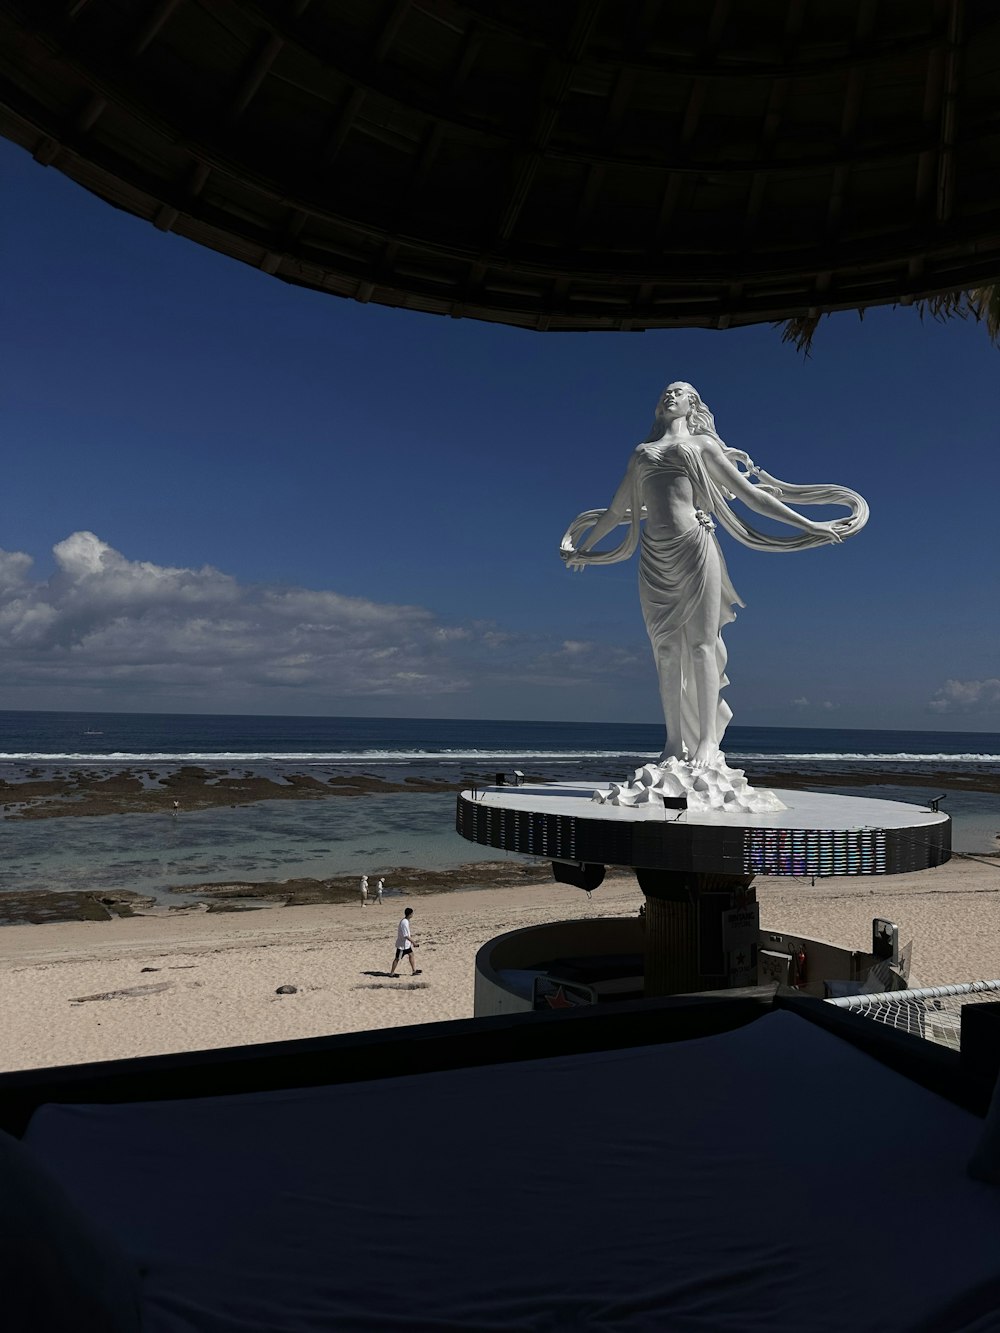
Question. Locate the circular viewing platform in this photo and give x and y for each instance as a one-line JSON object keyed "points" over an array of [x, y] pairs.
{"points": [[818, 834]]}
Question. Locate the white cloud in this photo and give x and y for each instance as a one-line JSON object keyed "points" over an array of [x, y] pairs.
{"points": [[803, 702], [103, 620], [14, 569], [108, 629], [967, 696]]}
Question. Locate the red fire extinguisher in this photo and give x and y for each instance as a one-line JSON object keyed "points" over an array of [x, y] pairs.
{"points": [[799, 967]]}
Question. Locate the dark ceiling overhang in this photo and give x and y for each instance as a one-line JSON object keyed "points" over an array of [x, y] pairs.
{"points": [[608, 164]]}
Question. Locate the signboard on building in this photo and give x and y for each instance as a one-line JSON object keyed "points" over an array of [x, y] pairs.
{"points": [[740, 933], [774, 968]]}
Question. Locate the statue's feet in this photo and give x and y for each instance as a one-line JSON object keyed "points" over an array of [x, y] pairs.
{"points": [[678, 752], [706, 756]]}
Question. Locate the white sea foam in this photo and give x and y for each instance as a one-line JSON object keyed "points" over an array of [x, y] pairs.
{"points": [[844, 757], [304, 757], [476, 756]]}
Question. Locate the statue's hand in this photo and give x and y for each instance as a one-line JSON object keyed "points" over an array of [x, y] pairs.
{"points": [[833, 531], [573, 559]]}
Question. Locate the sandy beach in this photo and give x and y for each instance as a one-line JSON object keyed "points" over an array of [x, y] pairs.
{"points": [[99, 990]]}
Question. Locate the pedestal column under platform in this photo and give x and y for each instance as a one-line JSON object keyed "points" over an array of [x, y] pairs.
{"points": [[687, 944]]}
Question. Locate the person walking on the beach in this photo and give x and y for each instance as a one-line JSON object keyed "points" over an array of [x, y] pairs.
{"points": [[364, 890], [378, 891], [405, 943]]}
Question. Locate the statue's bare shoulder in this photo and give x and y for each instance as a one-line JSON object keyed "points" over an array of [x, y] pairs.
{"points": [[707, 444]]}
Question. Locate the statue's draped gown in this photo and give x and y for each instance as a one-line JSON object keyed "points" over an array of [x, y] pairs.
{"points": [[674, 572]]}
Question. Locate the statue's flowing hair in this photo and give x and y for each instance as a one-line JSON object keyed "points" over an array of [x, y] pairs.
{"points": [[700, 418]]}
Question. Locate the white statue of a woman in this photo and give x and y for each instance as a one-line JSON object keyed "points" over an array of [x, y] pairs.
{"points": [[676, 480]]}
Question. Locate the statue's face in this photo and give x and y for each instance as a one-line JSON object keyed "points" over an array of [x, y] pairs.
{"points": [[676, 401]]}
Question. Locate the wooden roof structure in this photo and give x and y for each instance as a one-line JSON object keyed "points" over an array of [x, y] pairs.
{"points": [[554, 164]]}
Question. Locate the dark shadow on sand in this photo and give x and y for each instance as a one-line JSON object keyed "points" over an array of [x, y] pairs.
{"points": [[396, 976]]}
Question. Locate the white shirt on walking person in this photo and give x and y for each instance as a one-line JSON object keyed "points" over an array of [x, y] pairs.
{"points": [[403, 936], [404, 944], [378, 891]]}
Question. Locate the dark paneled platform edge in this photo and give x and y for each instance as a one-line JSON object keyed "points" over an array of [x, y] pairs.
{"points": [[704, 848]]}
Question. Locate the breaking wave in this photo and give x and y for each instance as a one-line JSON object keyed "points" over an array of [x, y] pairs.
{"points": [[374, 756]]}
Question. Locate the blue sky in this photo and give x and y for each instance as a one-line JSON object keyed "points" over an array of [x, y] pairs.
{"points": [[222, 493]]}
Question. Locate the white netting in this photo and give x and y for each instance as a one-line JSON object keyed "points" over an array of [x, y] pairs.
{"points": [[933, 1012]]}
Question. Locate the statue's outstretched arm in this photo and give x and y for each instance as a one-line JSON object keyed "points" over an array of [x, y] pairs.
{"points": [[764, 499], [588, 528]]}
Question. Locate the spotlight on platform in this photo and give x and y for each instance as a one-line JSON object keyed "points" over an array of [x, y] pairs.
{"points": [[581, 874]]}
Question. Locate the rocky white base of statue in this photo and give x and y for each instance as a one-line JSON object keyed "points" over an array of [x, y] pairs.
{"points": [[718, 787]]}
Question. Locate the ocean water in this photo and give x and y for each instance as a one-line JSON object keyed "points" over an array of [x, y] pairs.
{"points": [[348, 835], [423, 744]]}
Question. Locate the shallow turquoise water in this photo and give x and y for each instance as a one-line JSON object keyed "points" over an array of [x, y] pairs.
{"points": [[271, 840]]}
